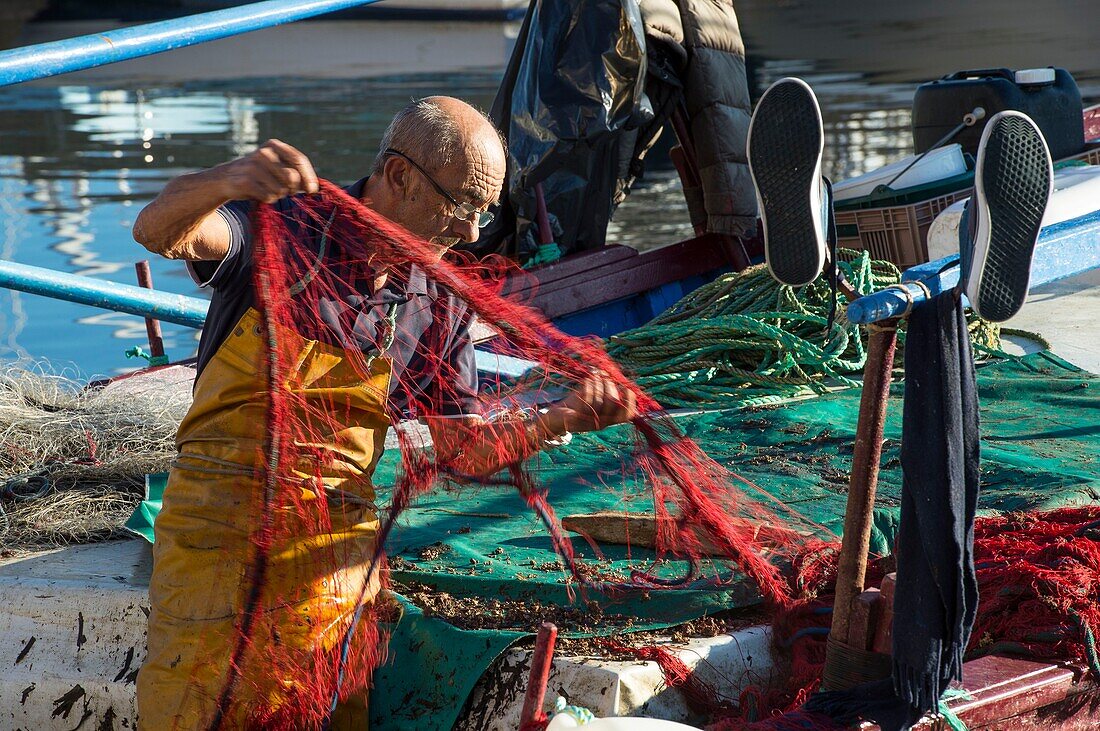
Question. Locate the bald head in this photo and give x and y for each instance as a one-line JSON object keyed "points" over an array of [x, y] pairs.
{"points": [[435, 130]]}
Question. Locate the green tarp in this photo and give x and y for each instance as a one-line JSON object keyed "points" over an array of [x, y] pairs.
{"points": [[141, 522], [1040, 423]]}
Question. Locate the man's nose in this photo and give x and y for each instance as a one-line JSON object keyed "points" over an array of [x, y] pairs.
{"points": [[466, 230]]}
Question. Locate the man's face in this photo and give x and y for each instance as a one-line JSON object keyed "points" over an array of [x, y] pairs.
{"points": [[474, 177]]}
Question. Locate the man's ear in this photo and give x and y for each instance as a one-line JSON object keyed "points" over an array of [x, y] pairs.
{"points": [[395, 172]]}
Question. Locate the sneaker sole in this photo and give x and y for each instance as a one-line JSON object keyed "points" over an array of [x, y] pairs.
{"points": [[785, 142], [1013, 182]]}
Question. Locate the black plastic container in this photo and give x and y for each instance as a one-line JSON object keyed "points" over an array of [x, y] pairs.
{"points": [[1055, 105]]}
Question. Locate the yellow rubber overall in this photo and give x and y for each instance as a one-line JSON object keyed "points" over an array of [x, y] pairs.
{"points": [[204, 545]]}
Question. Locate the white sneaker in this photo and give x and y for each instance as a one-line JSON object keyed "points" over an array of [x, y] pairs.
{"points": [[1013, 180], [785, 142]]}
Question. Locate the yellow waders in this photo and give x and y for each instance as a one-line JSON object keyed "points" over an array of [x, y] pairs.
{"points": [[203, 550]]}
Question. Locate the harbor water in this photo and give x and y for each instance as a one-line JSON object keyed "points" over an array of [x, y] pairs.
{"points": [[80, 154]]}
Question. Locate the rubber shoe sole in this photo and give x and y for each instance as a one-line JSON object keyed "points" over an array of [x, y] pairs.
{"points": [[1013, 180], [785, 142]]}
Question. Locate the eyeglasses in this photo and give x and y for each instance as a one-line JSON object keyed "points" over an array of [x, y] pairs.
{"points": [[462, 211]]}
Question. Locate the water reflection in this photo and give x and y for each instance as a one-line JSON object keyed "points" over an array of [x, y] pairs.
{"points": [[78, 161], [909, 42], [13, 318], [80, 155]]}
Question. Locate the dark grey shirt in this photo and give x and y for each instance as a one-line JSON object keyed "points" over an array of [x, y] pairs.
{"points": [[432, 354]]}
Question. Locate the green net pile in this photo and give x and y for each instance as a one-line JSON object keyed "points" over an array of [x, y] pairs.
{"points": [[746, 340]]}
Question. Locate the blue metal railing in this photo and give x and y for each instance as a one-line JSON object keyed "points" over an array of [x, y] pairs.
{"points": [[176, 308], [1063, 249], [98, 49]]}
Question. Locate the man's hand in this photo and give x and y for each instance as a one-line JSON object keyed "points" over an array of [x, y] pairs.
{"points": [[472, 446], [273, 171], [181, 222], [596, 403]]}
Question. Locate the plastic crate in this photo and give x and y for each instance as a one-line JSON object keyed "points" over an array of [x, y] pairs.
{"points": [[899, 233], [895, 233], [1091, 116], [1091, 155]]}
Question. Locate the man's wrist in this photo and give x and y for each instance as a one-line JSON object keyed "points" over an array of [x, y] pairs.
{"points": [[217, 181], [550, 424]]}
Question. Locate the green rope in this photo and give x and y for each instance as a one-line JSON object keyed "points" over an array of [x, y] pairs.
{"points": [[1090, 651], [744, 340], [992, 346], [545, 254], [1092, 656], [950, 719], [154, 360]]}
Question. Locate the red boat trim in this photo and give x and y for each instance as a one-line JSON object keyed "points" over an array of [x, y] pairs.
{"points": [[1013, 694]]}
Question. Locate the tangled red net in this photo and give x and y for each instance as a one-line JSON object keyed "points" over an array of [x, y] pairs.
{"points": [[304, 294], [699, 505], [1038, 577]]}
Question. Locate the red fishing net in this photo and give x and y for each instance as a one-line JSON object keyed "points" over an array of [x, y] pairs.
{"points": [[323, 292], [314, 275], [1038, 578]]}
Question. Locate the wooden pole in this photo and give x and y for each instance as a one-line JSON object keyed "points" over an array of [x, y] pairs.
{"points": [[687, 146], [864, 618], [852, 564], [884, 632], [541, 660], [542, 218], [152, 325]]}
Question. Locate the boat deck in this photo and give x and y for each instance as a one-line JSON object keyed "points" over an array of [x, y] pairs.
{"points": [[1067, 314], [75, 624]]}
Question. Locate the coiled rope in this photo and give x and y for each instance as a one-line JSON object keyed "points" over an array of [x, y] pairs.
{"points": [[745, 340]]}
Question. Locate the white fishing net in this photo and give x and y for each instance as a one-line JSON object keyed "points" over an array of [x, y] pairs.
{"points": [[73, 457]]}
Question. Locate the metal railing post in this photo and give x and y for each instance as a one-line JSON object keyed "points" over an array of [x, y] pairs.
{"points": [[97, 49]]}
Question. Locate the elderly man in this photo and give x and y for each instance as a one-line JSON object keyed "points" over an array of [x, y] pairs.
{"points": [[440, 167]]}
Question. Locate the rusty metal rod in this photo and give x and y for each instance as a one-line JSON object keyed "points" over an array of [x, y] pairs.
{"points": [[152, 325], [542, 218], [855, 543], [541, 660]]}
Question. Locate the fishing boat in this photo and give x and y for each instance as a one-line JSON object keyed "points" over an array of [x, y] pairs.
{"points": [[73, 637]]}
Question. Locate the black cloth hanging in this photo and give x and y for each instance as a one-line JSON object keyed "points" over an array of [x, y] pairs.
{"points": [[936, 597]]}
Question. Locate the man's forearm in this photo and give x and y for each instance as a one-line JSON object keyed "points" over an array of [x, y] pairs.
{"points": [[480, 448], [181, 222]]}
